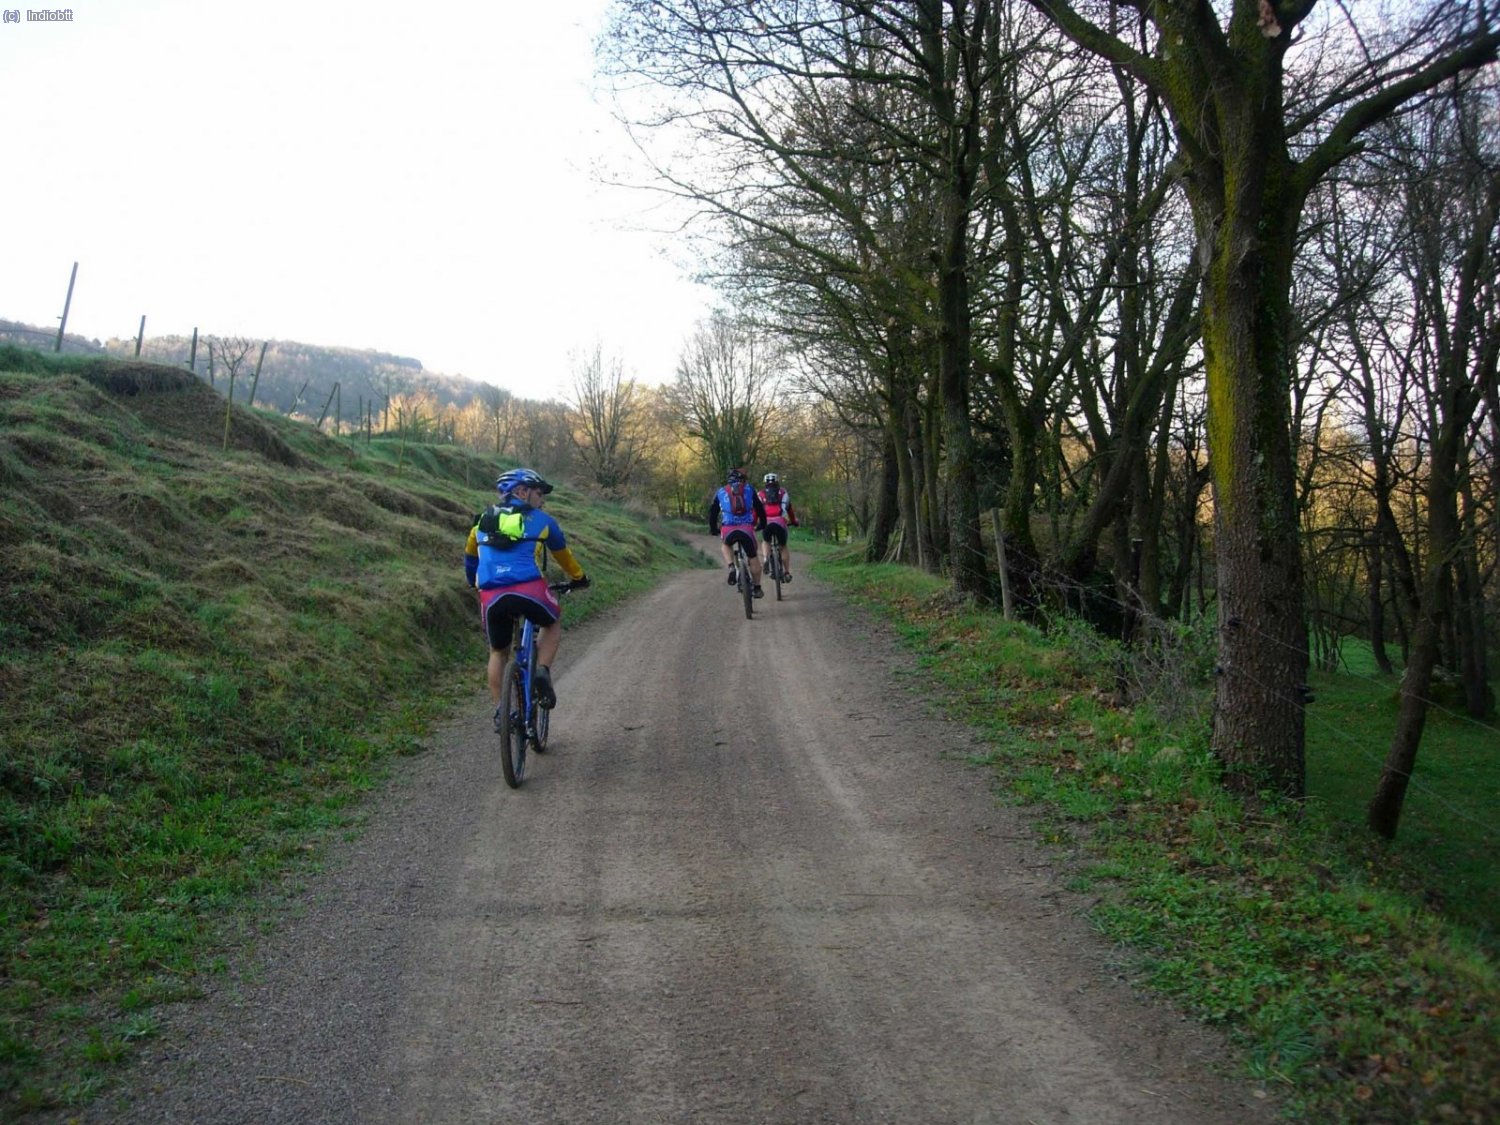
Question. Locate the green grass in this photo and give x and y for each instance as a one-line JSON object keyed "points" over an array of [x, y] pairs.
{"points": [[1448, 840], [1352, 991], [207, 659]]}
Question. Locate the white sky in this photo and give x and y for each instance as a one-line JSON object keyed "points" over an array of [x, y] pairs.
{"points": [[414, 178]]}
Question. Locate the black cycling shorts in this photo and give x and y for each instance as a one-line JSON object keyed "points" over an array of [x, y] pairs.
{"points": [[745, 533], [774, 533]]}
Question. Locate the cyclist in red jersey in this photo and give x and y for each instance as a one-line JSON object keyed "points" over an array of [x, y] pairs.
{"points": [[779, 513]]}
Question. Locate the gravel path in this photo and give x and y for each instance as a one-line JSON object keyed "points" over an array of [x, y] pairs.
{"points": [[752, 882]]}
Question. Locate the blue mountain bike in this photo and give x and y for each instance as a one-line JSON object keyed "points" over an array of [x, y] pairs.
{"points": [[523, 723]]}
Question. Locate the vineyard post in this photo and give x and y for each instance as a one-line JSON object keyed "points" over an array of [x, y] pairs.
{"points": [[228, 402], [326, 405], [67, 304], [255, 382]]}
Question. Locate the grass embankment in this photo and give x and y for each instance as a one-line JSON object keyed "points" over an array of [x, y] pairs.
{"points": [[205, 659], [1321, 951]]}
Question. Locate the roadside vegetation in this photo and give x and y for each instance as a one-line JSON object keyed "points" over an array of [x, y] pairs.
{"points": [[207, 656], [1357, 975]]}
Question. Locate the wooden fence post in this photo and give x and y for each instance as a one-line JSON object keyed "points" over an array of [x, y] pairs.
{"points": [[1004, 570]]}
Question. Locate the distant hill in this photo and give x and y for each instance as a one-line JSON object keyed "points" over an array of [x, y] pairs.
{"points": [[30, 336], [295, 378]]}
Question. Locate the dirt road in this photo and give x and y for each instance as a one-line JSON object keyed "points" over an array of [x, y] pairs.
{"points": [[752, 882]]}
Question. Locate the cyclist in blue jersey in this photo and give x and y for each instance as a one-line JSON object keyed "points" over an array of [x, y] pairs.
{"points": [[736, 512], [503, 560]]}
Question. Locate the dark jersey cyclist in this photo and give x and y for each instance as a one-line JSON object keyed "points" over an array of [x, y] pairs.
{"points": [[503, 559], [735, 514], [779, 513]]}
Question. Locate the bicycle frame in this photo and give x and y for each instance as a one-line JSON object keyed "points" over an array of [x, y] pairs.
{"points": [[525, 651], [524, 724], [744, 577]]}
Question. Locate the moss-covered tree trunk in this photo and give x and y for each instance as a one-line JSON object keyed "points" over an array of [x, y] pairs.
{"points": [[1219, 70], [951, 51], [1262, 652]]}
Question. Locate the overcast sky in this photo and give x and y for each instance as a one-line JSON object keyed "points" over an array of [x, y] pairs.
{"points": [[414, 178]]}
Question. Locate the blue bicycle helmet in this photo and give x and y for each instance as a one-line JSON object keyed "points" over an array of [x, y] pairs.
{"points": [[737, 476], [509, 481]]}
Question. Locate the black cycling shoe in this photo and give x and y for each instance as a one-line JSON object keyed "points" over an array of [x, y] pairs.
{"points": [[541, 687], [732, 576], [499, 719], [757, 592]]}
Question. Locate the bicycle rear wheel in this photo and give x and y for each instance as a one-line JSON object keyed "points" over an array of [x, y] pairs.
{"points": [[513, 726], [776, 569], [742, 577], [543, 722]]}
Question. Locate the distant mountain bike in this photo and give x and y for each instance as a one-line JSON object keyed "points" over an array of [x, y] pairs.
{"points": [[523, 724], [774, 570], [742, 578]]}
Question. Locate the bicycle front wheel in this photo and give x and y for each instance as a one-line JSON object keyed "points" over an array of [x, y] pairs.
{"points": [[513, 726]]}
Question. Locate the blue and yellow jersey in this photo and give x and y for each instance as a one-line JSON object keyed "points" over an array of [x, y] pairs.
{"points": [[514, 555]]}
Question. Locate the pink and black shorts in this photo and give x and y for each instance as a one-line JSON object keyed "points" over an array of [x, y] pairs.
{"points": [[744, 532], [499, 608]]}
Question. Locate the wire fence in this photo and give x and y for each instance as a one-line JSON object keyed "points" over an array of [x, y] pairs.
{"points": [[1172, 667]]}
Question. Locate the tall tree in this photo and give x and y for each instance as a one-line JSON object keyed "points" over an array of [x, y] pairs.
{"points": [[755, 77], [723, 393], [1221, 71], [1456, 252], [610, 433]]}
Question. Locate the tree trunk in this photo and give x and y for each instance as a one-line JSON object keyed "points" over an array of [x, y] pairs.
{"points": [[1455, 401], [1384, 812], [1375, 611], [1479, 697], [886, 505], [951, 50], [1258, 728]]}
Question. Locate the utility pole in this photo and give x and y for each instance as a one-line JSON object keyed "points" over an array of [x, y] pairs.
{"points": [[67, 304], [139, 336], [193, 355]]}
